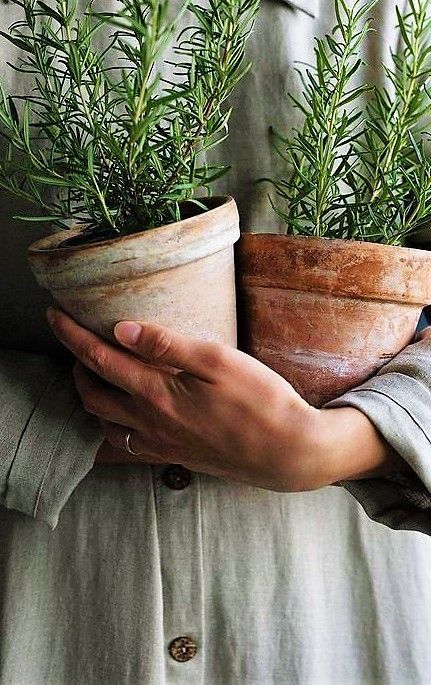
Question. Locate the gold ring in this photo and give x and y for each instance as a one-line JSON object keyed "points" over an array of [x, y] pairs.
{"points": [[128, 446]]}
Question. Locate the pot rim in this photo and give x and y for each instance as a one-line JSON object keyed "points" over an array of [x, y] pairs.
{"points": [[342, 268], [138, 254], [342, 242], [49, 244]]}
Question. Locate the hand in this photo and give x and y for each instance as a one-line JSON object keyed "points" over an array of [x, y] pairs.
{"points": [[223, 413]]}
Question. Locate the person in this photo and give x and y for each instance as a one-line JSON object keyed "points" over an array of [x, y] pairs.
{"points": [[221, 553]]}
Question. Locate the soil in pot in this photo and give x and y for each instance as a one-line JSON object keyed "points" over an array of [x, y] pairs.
{"points": [[180, 275], [93, 234], [328, 314]]}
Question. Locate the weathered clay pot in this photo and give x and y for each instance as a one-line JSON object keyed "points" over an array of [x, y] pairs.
{"points": [[327, 314], [180, 275]]}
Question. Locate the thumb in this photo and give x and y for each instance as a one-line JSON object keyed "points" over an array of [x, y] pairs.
{"points": [[159, 345]]}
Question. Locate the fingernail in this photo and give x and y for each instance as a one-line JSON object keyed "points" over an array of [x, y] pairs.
{"points": [[51, 315], [128, 332]]}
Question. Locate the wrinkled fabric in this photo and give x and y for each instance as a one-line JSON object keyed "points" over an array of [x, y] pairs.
{"points": [[42, 461], [303, 589]]}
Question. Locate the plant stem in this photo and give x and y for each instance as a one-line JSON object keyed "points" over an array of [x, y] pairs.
{"points": [[398, 129]]}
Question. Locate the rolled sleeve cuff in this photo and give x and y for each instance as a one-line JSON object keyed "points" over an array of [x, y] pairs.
{"points": [[55, 452], [400, 408]]}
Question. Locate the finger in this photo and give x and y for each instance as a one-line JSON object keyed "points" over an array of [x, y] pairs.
{"points": [[425, 334], [116, 436], [114, 365], [108, 454], [157, 344], [103, 400]]}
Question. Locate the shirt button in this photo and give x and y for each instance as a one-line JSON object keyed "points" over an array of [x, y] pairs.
{"points": [[176, 477], [183, 649]]}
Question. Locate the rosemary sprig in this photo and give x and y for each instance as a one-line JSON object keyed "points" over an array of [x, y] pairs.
{"points": [[120, 146], [397, 168], [361, 173], [321, 154]]}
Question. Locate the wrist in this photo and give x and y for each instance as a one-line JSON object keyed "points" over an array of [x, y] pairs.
{"points": [[354, 448], [306, 462]]}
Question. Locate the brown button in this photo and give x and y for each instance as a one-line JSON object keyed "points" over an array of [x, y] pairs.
{"points": [[183, 649], [176, 477]]}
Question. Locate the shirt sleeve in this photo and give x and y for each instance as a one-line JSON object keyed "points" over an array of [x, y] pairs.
{"points": [[398, 402], [48, 443]]}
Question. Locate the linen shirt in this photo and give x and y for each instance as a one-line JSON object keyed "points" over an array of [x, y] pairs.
{"points": [[101, 568]]}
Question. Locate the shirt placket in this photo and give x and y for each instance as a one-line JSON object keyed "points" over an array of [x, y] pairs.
{"points": [[179, 522]]}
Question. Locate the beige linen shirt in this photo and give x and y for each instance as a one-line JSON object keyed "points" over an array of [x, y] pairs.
{"points": [[272, 588]]}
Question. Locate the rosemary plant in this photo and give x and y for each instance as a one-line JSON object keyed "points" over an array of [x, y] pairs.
{"points": [[353, 171], [103, 138]]}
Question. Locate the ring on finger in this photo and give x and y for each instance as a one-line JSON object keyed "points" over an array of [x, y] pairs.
{"points": [[127, 444]]}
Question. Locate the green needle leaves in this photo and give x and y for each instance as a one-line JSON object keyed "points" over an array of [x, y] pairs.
{"points": [[355, 172], [119, 146]]}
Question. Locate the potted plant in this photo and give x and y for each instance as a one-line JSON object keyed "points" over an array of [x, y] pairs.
{"points": [[113, 151], [330, 302]]}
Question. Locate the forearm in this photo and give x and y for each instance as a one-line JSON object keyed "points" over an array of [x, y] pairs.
{"points": [[398, 402]]}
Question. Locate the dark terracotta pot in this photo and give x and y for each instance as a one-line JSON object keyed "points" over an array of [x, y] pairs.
{"points": [[180, 275], [327, 314]]}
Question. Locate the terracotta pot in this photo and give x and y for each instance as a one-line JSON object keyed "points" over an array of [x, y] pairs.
{"points": [[180, 275], [327, 314]]}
